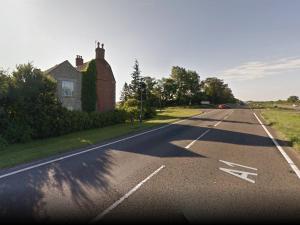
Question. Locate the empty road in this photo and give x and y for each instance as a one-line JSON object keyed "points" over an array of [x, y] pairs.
{"points": [[218, 166]]}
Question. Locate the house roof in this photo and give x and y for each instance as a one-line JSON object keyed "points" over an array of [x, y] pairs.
{"points": [[48, 71]]}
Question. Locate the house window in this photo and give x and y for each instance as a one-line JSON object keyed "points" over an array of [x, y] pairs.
{"points": [[67, 88], [70, 108]]}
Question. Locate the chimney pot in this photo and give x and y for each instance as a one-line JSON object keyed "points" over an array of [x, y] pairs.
{"points": [[100, 52]]}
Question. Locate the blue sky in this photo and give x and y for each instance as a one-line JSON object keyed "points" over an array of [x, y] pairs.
{"points": [[253, 45]]}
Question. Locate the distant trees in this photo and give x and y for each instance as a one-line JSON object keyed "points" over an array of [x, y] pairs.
{"points": [[182, 87], [293, 99], [216, 91]]}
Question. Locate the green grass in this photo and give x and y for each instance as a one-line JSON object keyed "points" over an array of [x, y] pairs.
{"points": [[22, 153], [287, 122]]}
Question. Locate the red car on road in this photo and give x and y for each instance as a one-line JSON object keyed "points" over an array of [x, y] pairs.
{"points": [[223, 106]]}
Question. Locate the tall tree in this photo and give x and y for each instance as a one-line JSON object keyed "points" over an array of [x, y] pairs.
{"points": [[169, 88], [135, 81], [125, 94], [187, 84]]}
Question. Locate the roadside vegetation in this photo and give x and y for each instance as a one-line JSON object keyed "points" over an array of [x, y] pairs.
{"points": [[34, 124], [284, 116], [181, 87], [25, 152]]}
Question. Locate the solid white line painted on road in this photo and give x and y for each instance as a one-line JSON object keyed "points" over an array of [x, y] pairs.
{"points": [[238, 173], [202, 135], [287, 158], [97, 147], [114, 205]]}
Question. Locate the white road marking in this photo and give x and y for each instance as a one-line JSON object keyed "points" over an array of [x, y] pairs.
{"points": [[218, 123], [114, 205], [97, 147], [238, 173], [241, 174], [235, 164], [202, 135], [287, 158]]}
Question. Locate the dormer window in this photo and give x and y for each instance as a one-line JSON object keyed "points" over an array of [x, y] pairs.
{"points": [[67, 88]]}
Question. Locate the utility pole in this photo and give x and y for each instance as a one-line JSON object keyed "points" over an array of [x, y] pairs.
{"points": [[141, 109]]}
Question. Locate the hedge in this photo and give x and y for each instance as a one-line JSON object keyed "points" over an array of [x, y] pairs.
{"points": [[65, 122]]}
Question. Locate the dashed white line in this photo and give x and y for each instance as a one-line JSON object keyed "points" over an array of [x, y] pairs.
{"points": [[218, 123], [114, 205], [287, 158], [97, 147], [190, 144]]}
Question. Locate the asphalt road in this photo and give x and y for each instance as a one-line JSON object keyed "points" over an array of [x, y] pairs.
{"points": [[216, 167]]}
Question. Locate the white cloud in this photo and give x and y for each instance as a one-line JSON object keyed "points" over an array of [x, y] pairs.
{"points": [[256, 69]]}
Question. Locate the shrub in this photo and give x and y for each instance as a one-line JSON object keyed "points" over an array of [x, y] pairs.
{"points": [[3, 143], [17, 132], [132, 106]]}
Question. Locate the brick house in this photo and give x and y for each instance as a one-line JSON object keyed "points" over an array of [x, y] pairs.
{"points": [[69, 81]]}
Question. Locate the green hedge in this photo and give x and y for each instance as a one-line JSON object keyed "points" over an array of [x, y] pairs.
{"points": [[65, 122]]}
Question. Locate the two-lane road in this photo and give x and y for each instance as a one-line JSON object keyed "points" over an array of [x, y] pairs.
{"points": [[221, 165]]}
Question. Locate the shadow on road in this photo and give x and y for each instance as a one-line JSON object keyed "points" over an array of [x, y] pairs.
{"points": [[28, 194]]}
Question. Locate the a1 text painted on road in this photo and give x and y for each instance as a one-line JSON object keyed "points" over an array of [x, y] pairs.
{"points": [[239, 173]]}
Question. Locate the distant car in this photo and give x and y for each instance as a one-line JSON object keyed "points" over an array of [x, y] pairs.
{"points": [[223, 106]]}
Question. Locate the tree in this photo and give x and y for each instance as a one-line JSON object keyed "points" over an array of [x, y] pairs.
{"points": [[169, 90], [158, 92], [216, 91], [187, 84], [293, 99], [125, 94], [135, 81], [31, 108]]}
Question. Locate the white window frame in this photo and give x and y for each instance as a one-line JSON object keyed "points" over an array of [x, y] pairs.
{"points": [[67, 88]]}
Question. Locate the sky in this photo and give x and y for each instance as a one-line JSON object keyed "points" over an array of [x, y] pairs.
{"points": [[253, 45]]}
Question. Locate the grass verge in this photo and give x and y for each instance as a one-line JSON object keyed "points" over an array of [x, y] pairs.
{"points": [[22, 153], [287, 122]]}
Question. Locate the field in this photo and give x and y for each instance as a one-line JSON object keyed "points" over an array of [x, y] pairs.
{"points": [[286, 122]]}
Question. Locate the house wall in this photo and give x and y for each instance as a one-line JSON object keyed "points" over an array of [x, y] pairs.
{"points": [[105, 86], [66, 72]]}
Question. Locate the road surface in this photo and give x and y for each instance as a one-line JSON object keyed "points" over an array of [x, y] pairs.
{"points": [[218, 166]]}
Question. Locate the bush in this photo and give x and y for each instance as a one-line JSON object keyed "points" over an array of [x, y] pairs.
{"points": [[17, 132], [3, 143], [132, 106]]}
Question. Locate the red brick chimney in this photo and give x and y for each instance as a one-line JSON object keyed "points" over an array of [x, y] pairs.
{"points": [[100, 52], [79, 60]]}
